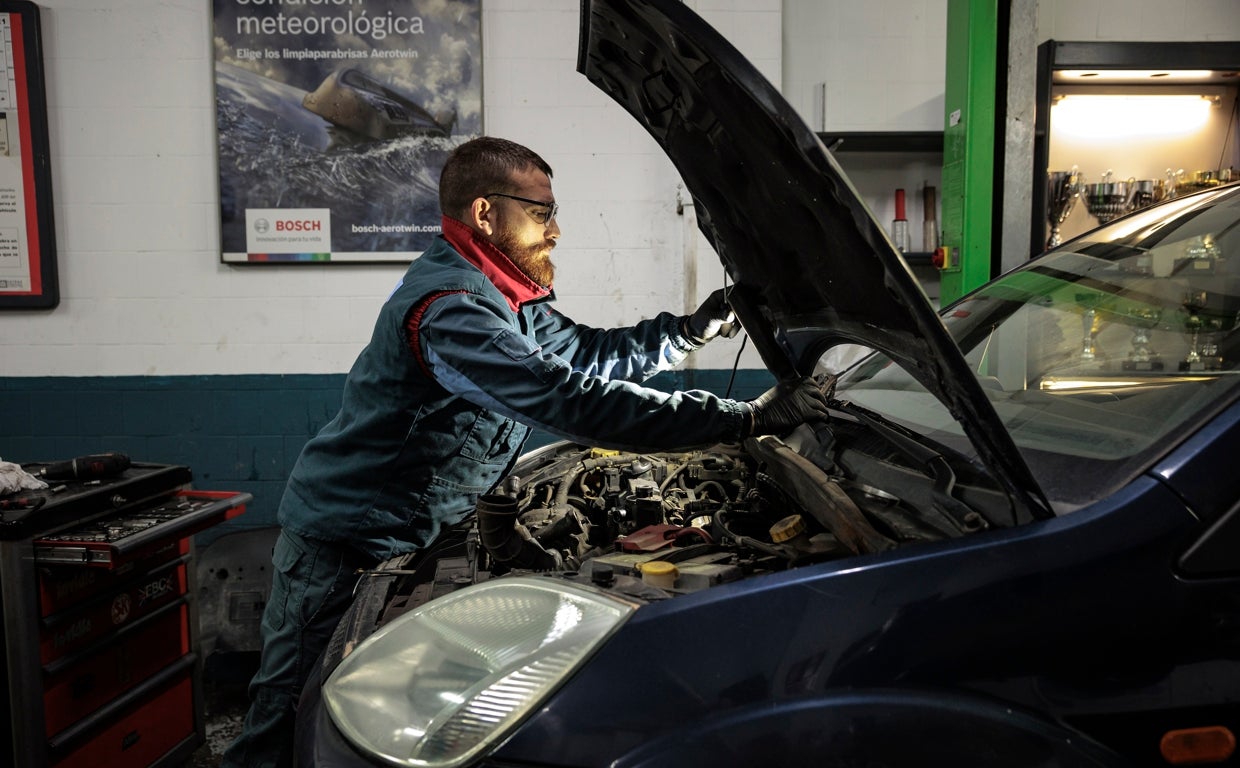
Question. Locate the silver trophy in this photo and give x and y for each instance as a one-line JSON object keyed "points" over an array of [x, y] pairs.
{"points": [[1146, 192], [1109, 200], [1062, 189], [1173, 182], [1143, 357]]}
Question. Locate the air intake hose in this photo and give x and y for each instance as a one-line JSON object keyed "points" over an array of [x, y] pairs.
{"points": [[507, 541]]}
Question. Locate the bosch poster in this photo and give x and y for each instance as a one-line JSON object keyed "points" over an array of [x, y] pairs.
{"points": [[334, 118]]}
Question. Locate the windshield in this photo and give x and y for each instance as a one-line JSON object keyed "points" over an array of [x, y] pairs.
{"points": [[1098, 357]]}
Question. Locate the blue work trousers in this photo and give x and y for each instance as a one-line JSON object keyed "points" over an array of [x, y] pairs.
{"points": [[311, 587]]}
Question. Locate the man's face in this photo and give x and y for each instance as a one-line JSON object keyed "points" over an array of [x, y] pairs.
{"points": [[517, 232]]}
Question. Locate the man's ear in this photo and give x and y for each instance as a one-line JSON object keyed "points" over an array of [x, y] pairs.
{"points": [[482, 215]]}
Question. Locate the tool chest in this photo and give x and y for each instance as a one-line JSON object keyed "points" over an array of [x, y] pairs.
{"points": [[99, 625]]}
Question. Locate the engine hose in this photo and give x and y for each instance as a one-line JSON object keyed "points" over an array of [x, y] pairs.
{"points": [[721, 519], [672, 474], [723, 494], [566, 484], [497, 528]]}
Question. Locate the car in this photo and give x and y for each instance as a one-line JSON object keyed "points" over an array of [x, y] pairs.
{"points": [[1013, 543]]}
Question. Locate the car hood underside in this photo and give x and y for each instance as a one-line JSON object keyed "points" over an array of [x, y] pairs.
{"points": [[811, 267]]}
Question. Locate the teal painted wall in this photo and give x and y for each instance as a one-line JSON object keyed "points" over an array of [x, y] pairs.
{"points": [[235, 433]]}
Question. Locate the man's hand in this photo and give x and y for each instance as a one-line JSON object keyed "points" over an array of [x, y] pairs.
{"points": [[713, 318], [786, 406]]}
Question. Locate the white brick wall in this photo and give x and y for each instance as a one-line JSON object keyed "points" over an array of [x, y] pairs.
{"points": [[1145, 20], [133, 156], [134, 182], [882, 63]]}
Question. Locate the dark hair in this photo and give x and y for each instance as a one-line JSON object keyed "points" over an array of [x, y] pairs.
{"points": [[482, 165]]}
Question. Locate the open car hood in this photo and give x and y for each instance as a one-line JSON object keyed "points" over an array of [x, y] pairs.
{"points": [[803, 250]]}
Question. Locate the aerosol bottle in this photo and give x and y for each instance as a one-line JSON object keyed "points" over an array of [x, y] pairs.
{"points": [[899, 227]]}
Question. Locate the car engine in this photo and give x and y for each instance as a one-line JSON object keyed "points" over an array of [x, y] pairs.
{"points": [[654, 525], [686, 521]]}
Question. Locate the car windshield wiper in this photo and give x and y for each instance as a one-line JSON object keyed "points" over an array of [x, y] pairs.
{"points": [[932, 462]]}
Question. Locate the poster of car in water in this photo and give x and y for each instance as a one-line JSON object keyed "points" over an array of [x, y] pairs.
{"points": [[334, 118]]}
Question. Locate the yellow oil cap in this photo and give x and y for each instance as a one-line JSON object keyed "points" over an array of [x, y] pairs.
{"points": [[658, 573], [788, 528]]}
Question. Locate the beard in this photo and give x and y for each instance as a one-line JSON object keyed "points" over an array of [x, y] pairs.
{"points": [[533, 260]]}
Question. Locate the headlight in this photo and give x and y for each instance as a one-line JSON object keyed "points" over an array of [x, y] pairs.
{"points": [[438, 685]]}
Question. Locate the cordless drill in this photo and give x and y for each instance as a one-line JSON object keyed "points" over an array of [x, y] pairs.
{"points": [[93, 467]]}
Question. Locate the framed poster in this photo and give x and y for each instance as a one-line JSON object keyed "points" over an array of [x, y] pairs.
{"points": [[334, 120], [28, 277]]}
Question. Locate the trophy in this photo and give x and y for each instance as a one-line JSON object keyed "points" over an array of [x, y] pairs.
{"points": [[1087, 304], [1089, 322], [1146, 192], [1199, 180], [1193, 302], [1173, 182], [1142, 357], [1062, 189], [1109, 200]]}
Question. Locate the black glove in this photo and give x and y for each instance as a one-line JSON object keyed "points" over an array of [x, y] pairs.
{"points": [[786, 406], [713, 318]]}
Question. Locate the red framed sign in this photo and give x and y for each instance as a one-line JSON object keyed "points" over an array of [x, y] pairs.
{"points": [[28, 277]]}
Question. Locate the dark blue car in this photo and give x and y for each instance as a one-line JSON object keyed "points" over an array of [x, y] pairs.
{"points": [[1016, 542]]}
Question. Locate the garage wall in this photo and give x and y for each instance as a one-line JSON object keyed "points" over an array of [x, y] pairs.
{"points": [[134, 184], [1139, 20], [160, 351]]}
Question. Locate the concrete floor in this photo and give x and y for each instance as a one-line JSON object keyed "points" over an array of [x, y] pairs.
{"points": [[224, 706]]}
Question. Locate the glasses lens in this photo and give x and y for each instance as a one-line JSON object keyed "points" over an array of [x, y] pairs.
{"points": [[543, 213]]}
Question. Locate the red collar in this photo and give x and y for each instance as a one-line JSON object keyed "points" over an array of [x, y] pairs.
{"points": [[491, 261]]}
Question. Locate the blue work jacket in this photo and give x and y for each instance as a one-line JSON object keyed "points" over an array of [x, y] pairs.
{"points": [[425, 427]]}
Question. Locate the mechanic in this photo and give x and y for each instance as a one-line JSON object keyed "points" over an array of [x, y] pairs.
{"points": [[467, 355]]}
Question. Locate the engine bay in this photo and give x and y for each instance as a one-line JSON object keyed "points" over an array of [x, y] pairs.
{"points": [[654, 525]]}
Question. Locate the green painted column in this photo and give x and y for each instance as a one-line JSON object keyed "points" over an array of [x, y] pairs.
{"points": [[969, 145]]}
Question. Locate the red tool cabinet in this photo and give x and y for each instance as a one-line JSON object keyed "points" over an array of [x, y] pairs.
{"points": [[99, 627]]}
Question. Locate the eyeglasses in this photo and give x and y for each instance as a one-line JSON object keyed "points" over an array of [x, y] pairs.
{"points": [[545, 213]]}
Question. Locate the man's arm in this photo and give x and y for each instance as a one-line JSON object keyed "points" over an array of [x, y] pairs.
{"points": [[630, 354], [472, 351]]}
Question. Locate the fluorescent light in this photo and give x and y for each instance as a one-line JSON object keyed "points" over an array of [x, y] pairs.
{"points": [[1117, 116], [1158, 75]]}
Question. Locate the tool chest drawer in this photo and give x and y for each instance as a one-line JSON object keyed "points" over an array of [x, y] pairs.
{"points": [[65, 586], [81, 626], [80, 684], [117, 540], [144, 728], [100, 630]]}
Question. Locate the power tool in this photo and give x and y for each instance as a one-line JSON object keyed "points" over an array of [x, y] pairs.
{"points": [[92, 467]]}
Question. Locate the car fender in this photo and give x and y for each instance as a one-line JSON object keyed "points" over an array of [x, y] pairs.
{"points": [[874, 727]]}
